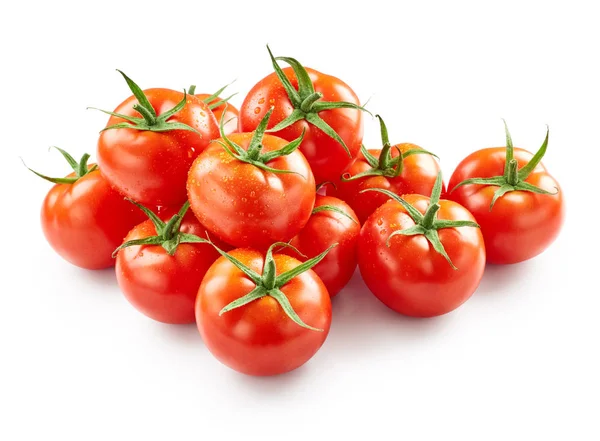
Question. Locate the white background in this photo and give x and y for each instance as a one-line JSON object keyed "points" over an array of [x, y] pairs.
{"points": [[517, 361]]}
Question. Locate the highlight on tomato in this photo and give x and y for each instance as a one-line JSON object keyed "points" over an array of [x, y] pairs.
{"points": [[332, 222], [421, 256], [160, 265], [307, 101], [252, 189], [150, 142], [220, 107], [517, 203], [401, 168], [263, 313], [83, 218]]}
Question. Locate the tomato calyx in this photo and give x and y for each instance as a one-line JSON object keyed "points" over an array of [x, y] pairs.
{"points": [[270, 284], [167, 233], [253, 155], [385, 165], [150, 120], [210, 100], [306, 101], [335, 210], [426, 224], [513, 178], [80, 168]]}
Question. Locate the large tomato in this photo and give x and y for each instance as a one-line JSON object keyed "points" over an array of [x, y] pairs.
{"points": [[332, 221], [83, 218], [421, 257], [322, 106], [150, 142], [263, 314], [221, 108], [517, 203], [402, 169], [160, 266], [252, 189]]}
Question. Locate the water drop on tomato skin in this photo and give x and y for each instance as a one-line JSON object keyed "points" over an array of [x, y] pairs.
{"points": [[261, 101], [257, 110]]}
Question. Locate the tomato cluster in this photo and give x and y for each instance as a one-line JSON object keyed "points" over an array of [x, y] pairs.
{"points": [[248, 222]]}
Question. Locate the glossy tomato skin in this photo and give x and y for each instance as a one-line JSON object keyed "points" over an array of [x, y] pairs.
{"points": [[161, 286], [226, 110], [417, 177], [86, 221], [410, 277], [259, 338], [324, 229], [327, 157], [521, 224], [246, 206], [151, 167]]}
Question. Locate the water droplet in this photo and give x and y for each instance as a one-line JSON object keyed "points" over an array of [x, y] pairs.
{"points": [[252, 194], [261, 101], [379, 222], [244, 200], [272, 101], [257, 110]]}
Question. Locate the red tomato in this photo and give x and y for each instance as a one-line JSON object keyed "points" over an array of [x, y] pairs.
{"points": [[150, 163], [83, 218], [256, 335], [247, 199], [414, 173], [526, 215], [406, 271], [333, 135], [160, 277], [225, 111], [328, 226]]}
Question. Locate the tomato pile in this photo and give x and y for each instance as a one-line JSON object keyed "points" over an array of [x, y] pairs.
{"points": [[249, 222]]}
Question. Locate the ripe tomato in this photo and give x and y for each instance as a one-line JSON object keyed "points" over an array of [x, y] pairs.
{"points": [[83, 218], [252, 189], [402, 169], [147, 159], [421, 257], [160, 266], [333, 128], [518, 204], [263, 314], [332, 221], [220, 108]]}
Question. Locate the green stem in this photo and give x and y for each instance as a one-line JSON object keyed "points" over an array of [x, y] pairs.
{"points": [[385, 157], [308, 102], [150, 119], [512, 172], [192, 89], [429, 217]]}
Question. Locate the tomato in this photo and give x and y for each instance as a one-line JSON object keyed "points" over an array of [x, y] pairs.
{"points": [[221, 108], [252, 189], [333, 128], [83, 218], [402, 169], [160, 266], [147, 159], [517, 203], [421, 257], [332, 221], [263, 314]]}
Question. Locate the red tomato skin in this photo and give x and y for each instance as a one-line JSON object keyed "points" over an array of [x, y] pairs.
{"points": [[324, 229], [259, 338], [245, 206], [417, 177], [410, 277], [151, 167], [326, 156], [231, 117], [86, 221], [521, 224], [160, 286]]}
